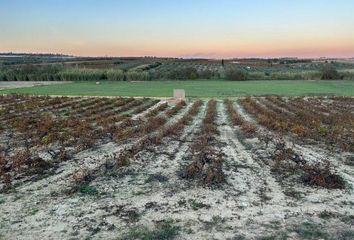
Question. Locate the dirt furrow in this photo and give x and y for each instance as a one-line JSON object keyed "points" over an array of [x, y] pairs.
{"points": [[259, 193]]}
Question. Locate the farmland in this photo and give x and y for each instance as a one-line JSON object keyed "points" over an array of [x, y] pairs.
{"points": [[194, 88], [141, 168]]}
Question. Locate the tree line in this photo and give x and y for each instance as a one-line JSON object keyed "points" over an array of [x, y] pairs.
{"points": [[61, 73]]}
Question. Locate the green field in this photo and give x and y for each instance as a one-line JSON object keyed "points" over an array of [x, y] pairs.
{"points": [[199, 88]]}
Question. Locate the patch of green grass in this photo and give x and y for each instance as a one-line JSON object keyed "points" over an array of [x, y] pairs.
{"points": [[239, 237], [182, 202], [197, 205], [123, 172], [346, 235], [146, 189], [196, 88], [87, 189], [348, 219], [217, 223], [276, 225], [164, 231], [273, 237], [17, 197], [310, 230], [33, 211], [291, 192], [156, 178]]}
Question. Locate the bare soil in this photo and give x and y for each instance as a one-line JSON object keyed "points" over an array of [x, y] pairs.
{"points": [[133, 201]]}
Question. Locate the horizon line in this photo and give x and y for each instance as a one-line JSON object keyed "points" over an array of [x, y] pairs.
{"points": [[174, 57]]}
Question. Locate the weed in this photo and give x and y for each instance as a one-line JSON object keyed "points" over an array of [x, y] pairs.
{"points": [[278, 236], [310, 230], [38, 165], [239, 237], [290, 192], [33, 211], [130, 215], [46, 139], [346, 235], [156, 178], [182, 202], [348, 219], [123, 173], [81, 179], [83, 176], [163, 231], [197, 205], [19, 160], [63, 155], [87, 189], [299, 130], [122, 159], [350, 161], [327, 215], [7, 180]]}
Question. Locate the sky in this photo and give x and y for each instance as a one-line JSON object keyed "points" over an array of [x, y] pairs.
{"points": [[179, 28]]}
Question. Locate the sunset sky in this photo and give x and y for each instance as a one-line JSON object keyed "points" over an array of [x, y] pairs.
{"points": [[179, 28]]}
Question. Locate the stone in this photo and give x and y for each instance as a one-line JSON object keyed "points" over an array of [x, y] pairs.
{"points": [[179, 94]]}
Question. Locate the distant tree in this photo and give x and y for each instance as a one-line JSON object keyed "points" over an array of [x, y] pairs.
{"points": [[191, 73], [236, 75], [3, 76], [206, 74], [329, 72], [115, 75], [182, 74], [223, 62]]}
